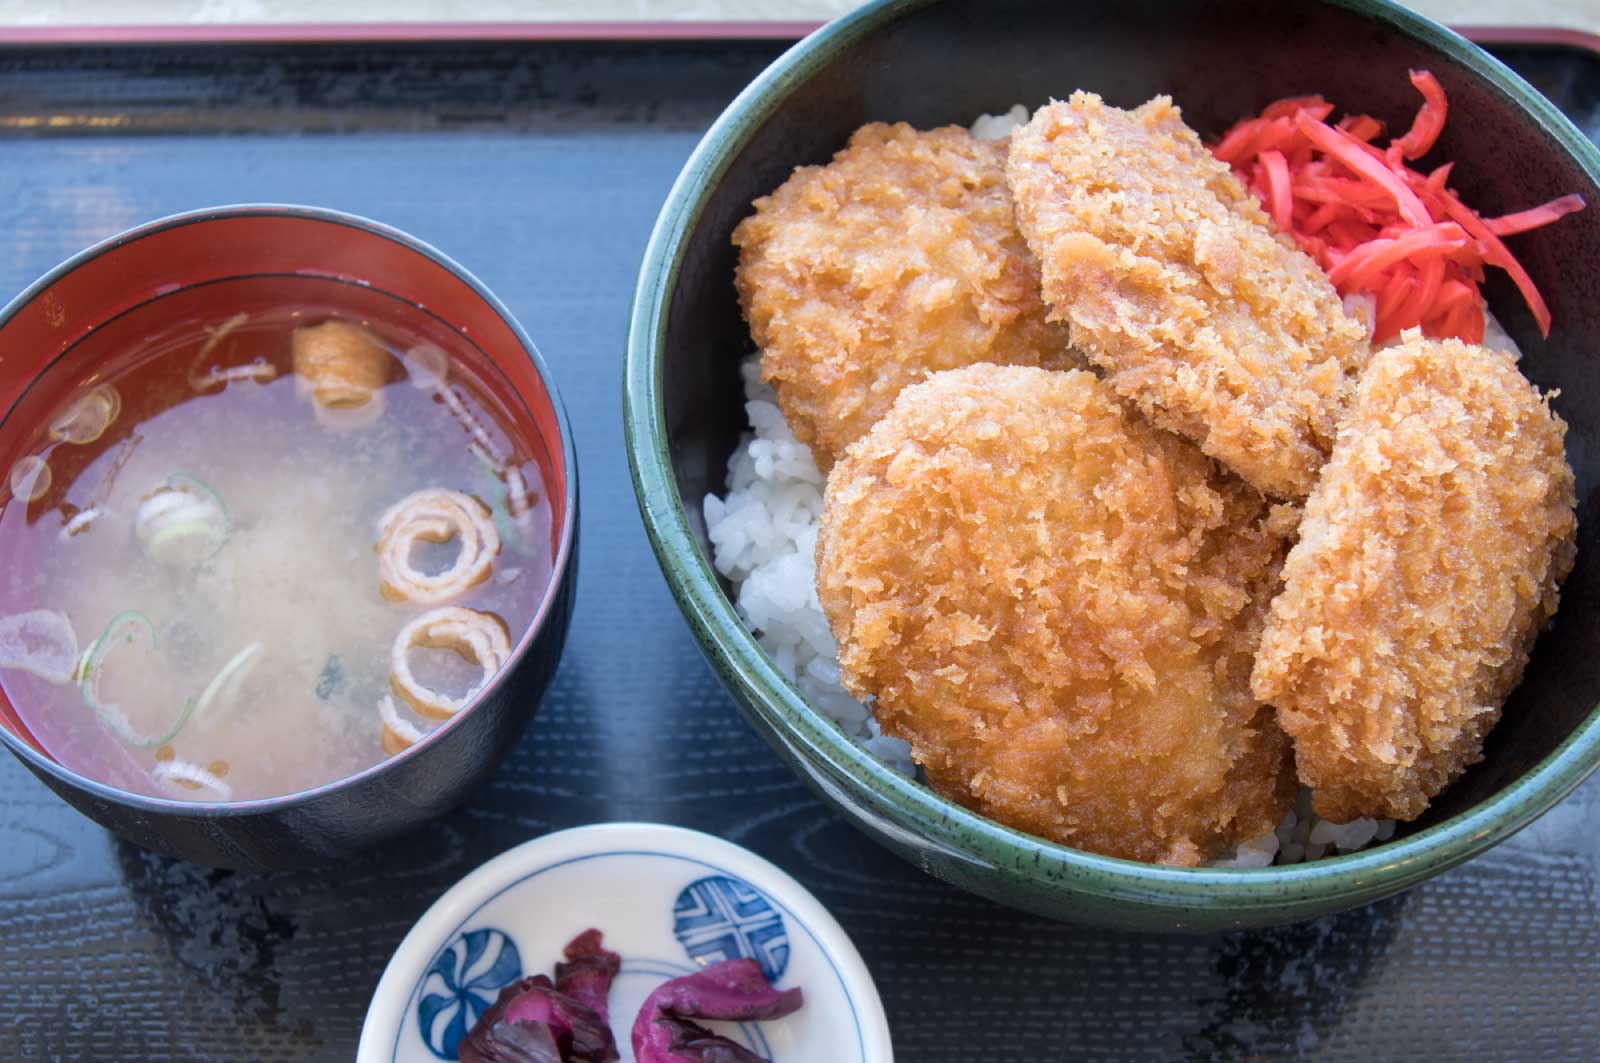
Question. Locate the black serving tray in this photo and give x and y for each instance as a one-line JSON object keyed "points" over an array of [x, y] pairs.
{"points": [[540, 166]]}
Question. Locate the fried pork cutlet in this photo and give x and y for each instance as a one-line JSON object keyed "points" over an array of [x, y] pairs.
{"points": [[899, 258], [1429, 558], [1057, 605], [1177, 285]]}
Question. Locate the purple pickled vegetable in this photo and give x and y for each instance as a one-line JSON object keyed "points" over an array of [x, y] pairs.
{"points": [[687, 1040], [588, 971], [510, 1042], [732, 989], [535, 1021]]}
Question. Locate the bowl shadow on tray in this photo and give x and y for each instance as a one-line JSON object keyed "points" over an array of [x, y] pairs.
{"points": [[226, 930], [1183, 51], [227, 925], [251, 941], [249, 937], [1237, 995], [1278, 984]]}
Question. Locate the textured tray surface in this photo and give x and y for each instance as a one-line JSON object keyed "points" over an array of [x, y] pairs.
{"points": [[541, 169]]}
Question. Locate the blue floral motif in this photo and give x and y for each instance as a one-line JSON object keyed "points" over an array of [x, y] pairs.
{"points": [[723, 918], [462, 984]]}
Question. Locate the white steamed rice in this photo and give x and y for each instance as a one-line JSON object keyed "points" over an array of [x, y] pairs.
{"points": [[764, 540], [763, 536]]}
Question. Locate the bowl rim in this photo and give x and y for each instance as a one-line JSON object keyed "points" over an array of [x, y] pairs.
{"points": [[561, 563], [887, 795]]}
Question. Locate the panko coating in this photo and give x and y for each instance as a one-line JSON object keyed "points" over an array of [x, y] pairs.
{"points": [[1177, 285], [899, 258], [1057, 605], [1429, 559]]}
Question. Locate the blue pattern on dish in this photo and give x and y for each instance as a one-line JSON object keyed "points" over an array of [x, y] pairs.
{"points": [[757, 1038], [461, 985], [724, 918]]}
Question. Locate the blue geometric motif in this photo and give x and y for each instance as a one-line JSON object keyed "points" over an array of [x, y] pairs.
{"points": [[462, 984], [722, 918]]}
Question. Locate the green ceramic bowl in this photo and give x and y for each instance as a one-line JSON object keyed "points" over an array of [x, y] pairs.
{"points": [[932, 63]]}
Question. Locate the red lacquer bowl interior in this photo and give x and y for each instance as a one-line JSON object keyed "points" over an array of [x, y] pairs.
{"points": [[83, 313]]}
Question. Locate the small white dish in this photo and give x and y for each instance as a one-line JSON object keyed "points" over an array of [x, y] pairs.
{"points": [[668, 900]]}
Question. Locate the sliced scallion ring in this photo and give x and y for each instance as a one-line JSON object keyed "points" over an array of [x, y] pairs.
{"points": [[121, 629], [179, 481], [183, 522], [227, 679]]}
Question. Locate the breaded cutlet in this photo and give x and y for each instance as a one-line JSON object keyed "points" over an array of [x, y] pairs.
{"points": [[1429, 559], [898, 259], [1176, 285], [1057, 605]]}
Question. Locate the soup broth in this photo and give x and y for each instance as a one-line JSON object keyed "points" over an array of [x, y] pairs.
{"points": [[225, 516]]}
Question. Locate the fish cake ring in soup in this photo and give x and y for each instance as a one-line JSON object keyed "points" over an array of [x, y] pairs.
{"points": [[1057, 605], [396, 733], [477, 637], [435, 515]]}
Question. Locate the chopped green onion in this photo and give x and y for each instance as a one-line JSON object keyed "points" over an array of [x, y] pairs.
{"points": [[185, 507], [178, 531], [232, 671], [112, 717], [177, 479]]}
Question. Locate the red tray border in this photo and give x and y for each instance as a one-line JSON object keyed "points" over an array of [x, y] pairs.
{"points": [[343, 32], [1552, 35]]}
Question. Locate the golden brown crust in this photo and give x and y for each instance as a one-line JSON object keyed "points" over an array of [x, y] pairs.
{"points": [[899, 258], [1177, 286], [1057, 605], [1429, 559]]}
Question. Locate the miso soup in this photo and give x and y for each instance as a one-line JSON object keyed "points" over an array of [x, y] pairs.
{"points": [[257, 537]]}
